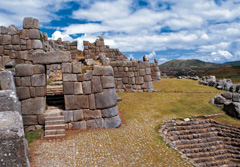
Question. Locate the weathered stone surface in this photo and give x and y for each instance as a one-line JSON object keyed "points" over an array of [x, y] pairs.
{"points": [[12, 140], [66, 67], [219, 100], [34, 106], [106, 99], [77, 115], [113, 122], [6, 81], [30, 120], [91, 114], [38, 80], [226, 95], [88, 75], [139, 80], [82, 101], [38, 69], [3, 30], [70, 77], [9, 101], [78, 88], [31, 23], [15, 40], [235, 97], [34, 34], [32, 91], [79, 125], [96, 84], [108, 82], [37, 44], [80, 77], [98, 70], [41, 119], [110, 112], [51, 57], [25, 34], [68, 88], [23, 93], [23, 70], [91, 99], [68, 115], [23, 54], [232, 109], [232, 88], [77, 67], [95, 123], [147, 78], [6, 39], [12, 30], [87, 87], [40, 91], [71, 102]]}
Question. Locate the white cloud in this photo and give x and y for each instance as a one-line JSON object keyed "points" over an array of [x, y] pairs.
{"points": [[152, 54], [162, 60]]}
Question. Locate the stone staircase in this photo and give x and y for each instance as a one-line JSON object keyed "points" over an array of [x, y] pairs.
{"points": [[54, 126], [204, 142]]}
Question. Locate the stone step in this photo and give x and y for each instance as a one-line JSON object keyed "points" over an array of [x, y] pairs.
{"points": [[54, 118], [193, 136], [190, 127], [195, 141], [200, 145], [51, 127], [209, 159], [203, 149], [54, 132], [207, 154], [196, 131], [50, 137], [221, 163], [55, 122]]}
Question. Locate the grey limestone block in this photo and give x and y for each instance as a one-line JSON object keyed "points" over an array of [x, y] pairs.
{"points": [[77, 115], [38, 80], [23, 70], [66, 67], [108, 81], [232, 109], [32, 91], [31, 23], [15, 40], [95, 123], [87, 87], [25, 34], [235, 97], [1, 50], [82, 101], [110, 112], [71, 102], [34, 34], [41, 91], [218, 99], [6, 39], [96, 84], [77, 67], [78, 88], [30, 119], [3, 30], [79, 125], [23, 93], [98, 70], [142, 72], [68, 115], [106, 99], [139, 80], [108, 70], [37, 44], [68, 88], [91, 99], [227, 95], [25, 81], [80, 77], [38, 69], [51, 57], [9, 101], [1, 41], [12, 30], [7, 81], [147, 78], [113, 122], [70, 77], [41, 119], [148, 71], [23, 55], [88, 75], [34, 106], [91, 114]]}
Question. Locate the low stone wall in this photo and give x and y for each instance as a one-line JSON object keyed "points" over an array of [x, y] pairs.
{"points": [[230, 102], [132, 76], [155, 71], [204, 142], [92, 51]]}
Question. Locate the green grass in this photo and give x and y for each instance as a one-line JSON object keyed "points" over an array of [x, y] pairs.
{"points": [[33, 135], [182, 85]]}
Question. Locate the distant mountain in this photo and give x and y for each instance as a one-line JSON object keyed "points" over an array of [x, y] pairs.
{"points": [[191, 64], [233, 63]]}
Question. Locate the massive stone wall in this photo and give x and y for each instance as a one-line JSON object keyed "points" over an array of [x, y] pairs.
{"points": [[155, 71], [132, 76], [13, 145], [92, 50]]}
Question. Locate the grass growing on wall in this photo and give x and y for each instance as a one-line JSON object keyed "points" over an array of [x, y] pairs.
{"points": [[33, 135]]}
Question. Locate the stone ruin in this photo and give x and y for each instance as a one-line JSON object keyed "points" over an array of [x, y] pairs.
{"points": [[204, 142], [37, 72]]}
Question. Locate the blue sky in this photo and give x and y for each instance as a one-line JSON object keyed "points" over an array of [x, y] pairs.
{"points": [[208, 30]]}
